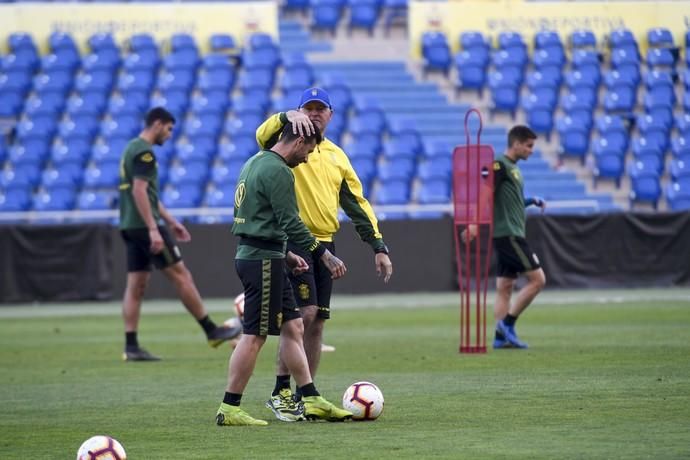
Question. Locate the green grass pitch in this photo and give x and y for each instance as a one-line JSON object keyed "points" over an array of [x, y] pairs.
{"points": [[601, 380]]}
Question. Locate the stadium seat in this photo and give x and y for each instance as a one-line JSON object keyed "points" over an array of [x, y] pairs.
{"points": [[472, 39], [15, 200], [549, 57], [357, 149], [127, 105], [30, 151], [396, 169], [659, 37], [325, 15], [622, 37], [57, 199], [103, 175], [47, 105], [240, 148], [364, 14], [393, 192], [106, 60], [65, 175], [223, 176], [142, 61], [207, 125], [512, 57], [91, 200], [583, 39], [436, 52], [210, 103], [79, 128], [682, 122], [222, 43], [620, 99], [185, 59], [296, 77], [678, 195], [660, 57], [220, 197], [574, 138], [510, 40], [142, 42], [217, 79], [547, 39], [366, 170], [101, 42], [176, 80], [76, 150], [608, 166], [680, 146], [256, 79], [645, 189], [193, 172], [434, 192], [198, 150], [187, 195], [20, 176]]}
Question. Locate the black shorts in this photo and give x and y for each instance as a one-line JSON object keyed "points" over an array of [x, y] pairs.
{"points": [[268, 298], [514, 256], [139, 256], [313, 287]]}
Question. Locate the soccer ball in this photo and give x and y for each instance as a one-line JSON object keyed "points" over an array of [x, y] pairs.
{"points": [[364, 400], [101, 448]]}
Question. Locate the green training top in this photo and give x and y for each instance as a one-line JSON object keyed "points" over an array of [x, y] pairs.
{"points": [[137, 161], [509, 203], [266, 207]]}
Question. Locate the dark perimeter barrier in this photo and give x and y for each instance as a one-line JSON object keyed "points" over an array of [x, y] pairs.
{"points": [[87, 262]]}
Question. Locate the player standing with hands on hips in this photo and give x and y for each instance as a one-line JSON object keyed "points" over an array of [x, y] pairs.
{"points": [[148, 242], [266, 217], [325, 183], [513, 254]]}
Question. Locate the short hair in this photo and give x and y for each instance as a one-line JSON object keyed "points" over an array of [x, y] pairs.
{"points": [[520, 133], [287, 134], [159, 113]]}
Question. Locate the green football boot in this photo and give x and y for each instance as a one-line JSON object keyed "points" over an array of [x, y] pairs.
{"points": [[285, 407], [234, 416], [318, 408]]}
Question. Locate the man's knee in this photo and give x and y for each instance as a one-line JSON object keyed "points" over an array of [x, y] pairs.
{"points": [[538, 279], [293, 329], [136, 284]]}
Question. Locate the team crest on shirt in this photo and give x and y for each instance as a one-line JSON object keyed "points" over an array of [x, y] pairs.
{"points": [[497, 165], [303, 291], [516, 174], [147, 158], [240, 193]]}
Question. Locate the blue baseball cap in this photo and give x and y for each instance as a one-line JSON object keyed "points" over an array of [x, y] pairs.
{"points": [[315, 94]]}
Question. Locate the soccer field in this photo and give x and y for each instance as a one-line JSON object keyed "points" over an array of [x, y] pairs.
{"points": [[607, 375]]}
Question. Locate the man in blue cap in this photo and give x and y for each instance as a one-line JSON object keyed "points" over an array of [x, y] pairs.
{"points": [[327, 181]]}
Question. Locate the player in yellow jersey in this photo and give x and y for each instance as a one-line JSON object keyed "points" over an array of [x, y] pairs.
{"points": [[324, 184]]}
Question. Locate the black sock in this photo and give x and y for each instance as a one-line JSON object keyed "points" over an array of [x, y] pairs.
{"points": [[308, 390], [282, 381], [499, 335], [509, 320], [232, 398], [207, 324], [131, 340]]}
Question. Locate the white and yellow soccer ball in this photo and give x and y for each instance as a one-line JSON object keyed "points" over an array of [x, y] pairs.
{"points": [[364, 400], [101, 448]]}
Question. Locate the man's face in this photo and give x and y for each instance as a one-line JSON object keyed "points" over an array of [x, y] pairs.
{"points": [[318, 113], [163, 132], [300, 151], [523, 150]]}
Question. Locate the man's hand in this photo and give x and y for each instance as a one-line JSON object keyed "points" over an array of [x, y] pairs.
{"points": [[541, 203], [296, 263], [383, 266], [469, 233], [300, 123], [333, 264], [156, 240], [180, 232]]}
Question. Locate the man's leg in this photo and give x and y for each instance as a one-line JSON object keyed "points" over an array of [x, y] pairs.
{"points": [[504, 290], [313, 336], [536, 280], [131, 312], [240, 369], [186, 289]]}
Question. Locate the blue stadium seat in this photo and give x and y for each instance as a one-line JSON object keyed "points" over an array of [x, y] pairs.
{"points": [[405, 131], [99, 82], [20, 61], [611, 123], [513, 57], [682, 122], [509, 39], [182, 42], [678, 195], [139, 81], [368, 123], [601, 146], [212, 102], [262, 58], [393, 192], [90, 104], [540, 119], [244, 125], [125, 127], [582, 38], [366, 170], [659, 37], [325, 15], [222, 43], [38, 127], [79, 128], [402, 168], [92, 200], [217, 79], [12, 103], [357, 149], [256, 80], [142, 42], [680, 146], [15, 200], [297, 78], [102, 175], [185, 59], [142, 61], [110, 151], [680, 168], [254, 102], [622, 37], [176, 102], [208, 125], [30, 151], [20, 176], [176, 80], [66, 175], [127, 105], [221, 197], [17, 81], [56, 199], [434, 192], [106, 60], [645, 189], [436, 167], [76, 150], [58, 82], [547, 39], [201, 149], [608, 166], [102, 42], [574, 138], [472, 39], [621, 99], [436, 52], [193, 172], [223, 176], [48, 104], [660, 57], [364, 14], [339, 92], [549, 57], [186, 195], [240, 149], [20, 41], [647, 123]]}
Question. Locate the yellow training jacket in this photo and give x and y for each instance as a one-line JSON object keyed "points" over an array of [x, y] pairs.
{"points": [[324, 182]]}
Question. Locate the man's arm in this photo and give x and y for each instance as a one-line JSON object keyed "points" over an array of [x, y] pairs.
{"points": [[141, 200], [268, 133], [179, 230]]}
